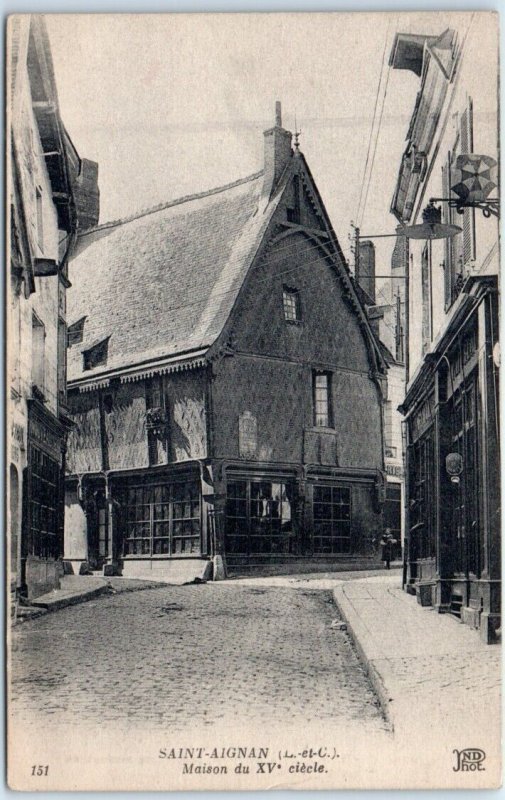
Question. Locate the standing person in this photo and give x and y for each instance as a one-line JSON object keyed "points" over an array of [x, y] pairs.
{"points": [[387, 543]]}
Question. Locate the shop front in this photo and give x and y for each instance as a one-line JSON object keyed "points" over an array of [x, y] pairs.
{"points": [[42, 535], [453, 547], [139, 522], [274, 517]]}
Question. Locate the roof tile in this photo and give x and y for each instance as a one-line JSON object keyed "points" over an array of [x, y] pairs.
{"points": [[164, 281]]}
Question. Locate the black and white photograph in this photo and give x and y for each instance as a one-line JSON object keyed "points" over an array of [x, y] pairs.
{"points": [[253, 438]]}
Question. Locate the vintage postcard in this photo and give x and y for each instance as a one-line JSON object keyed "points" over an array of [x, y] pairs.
{"points": [[253, 401]]}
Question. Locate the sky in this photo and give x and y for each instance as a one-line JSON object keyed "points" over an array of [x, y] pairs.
{"points": [[172, 104]]}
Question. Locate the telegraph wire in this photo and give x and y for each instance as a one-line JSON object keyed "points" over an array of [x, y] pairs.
{"points": [[211, 297], [373, 122], [376, 137], [286, 252]]}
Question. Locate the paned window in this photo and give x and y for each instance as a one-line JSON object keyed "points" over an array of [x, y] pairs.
{"points": [[291, 304], [322, 399], [422, 496], [44, 493], [259, 517], [465, 494], [332, 519], [162, 520]]}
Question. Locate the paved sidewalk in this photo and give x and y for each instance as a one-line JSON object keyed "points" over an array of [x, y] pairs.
{"points": [[432, 673]]}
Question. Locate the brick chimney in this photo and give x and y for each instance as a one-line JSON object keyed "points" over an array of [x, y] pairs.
{"points": [[277, 153], [366, 268]]}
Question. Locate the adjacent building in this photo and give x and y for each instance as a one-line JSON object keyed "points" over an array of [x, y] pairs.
{"points": [[225, 385], [452, 398], [52, 194], [385, 308]]}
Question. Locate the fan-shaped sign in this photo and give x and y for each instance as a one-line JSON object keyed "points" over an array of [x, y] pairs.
{"points": [[476, 177]]}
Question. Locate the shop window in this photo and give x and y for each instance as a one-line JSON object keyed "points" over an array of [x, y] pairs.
{"points": [[321, 389], [259, 518], [465, 494], [332, 520], [44, 494], [422, 496], [291, 305], [162, 520]]}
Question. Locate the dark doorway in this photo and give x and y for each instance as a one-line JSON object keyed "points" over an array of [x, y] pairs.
{"points": [[98, 531]]}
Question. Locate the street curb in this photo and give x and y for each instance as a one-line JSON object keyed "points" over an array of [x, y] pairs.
{"points": [[40, 609], [371, 670], [63, 602], [21, 618]]}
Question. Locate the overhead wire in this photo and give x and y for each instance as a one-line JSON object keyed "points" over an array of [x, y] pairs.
{"points": [[286, 253], [373, 123], [204, 298], [376, 137]]}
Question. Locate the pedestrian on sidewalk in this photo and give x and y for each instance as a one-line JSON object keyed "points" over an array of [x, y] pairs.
{"points": [[387, 542]]}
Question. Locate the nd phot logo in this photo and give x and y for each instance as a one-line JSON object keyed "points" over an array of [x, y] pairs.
{"points": [[471, 759]]}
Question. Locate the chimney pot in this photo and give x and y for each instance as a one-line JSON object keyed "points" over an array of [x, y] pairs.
{"points": [[278, 114]]}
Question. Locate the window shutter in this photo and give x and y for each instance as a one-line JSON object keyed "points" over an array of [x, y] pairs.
{"points": [[466, 146], [456, 219], [426, 291], [447, 219]]}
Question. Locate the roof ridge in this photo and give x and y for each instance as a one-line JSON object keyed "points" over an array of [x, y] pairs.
{"points": [[162, 206]]}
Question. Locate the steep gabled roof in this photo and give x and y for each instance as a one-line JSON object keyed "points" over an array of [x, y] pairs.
{"points": [[163, 282]]}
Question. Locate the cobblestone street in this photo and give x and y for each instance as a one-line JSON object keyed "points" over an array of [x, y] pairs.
{"points": [[182, 657]]}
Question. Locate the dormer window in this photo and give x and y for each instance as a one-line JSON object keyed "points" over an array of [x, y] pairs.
{"points": [[75, 332], [97, 355], [291, 304]]}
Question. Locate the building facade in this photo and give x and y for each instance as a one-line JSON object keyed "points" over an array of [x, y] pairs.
{"points": [[216, 350], [387, 320], [51, 193], [451, 404]]}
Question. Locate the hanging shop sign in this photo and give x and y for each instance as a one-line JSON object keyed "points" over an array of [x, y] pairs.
{"points": [[454, 464]]}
